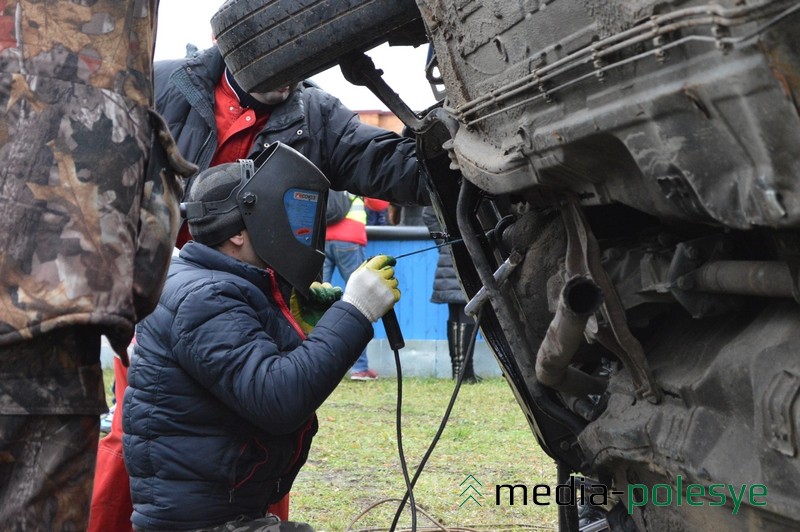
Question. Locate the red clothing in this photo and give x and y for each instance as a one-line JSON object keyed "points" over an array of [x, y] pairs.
{"points": [[348, 230], [354, 227], [183, 235], [111, 498], [375, 204], [237, 126]]}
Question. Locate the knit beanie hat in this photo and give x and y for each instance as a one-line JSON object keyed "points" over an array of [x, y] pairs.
{"points": [[215, 184]]}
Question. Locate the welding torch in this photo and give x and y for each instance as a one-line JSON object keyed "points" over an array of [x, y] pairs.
{"points": [[393, 333], [448, 243]]}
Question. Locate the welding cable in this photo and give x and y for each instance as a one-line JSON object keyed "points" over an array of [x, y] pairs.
{"points": [[436, 526], [403, 465], [409, 496]]}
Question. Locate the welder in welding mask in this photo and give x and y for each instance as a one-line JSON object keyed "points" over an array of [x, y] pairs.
{"points": [[279, 199], [219, 409]]}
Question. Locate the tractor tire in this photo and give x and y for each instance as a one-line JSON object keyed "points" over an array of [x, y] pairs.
{"points": [[267, 45]]}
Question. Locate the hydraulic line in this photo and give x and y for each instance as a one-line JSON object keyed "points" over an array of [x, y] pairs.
{"points": [[467, 112], [655, 26]]}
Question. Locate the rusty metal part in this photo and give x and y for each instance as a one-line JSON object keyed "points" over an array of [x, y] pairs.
{"points": [[747, 278], [583, 258], [655, 27], [733, 395], [580, 298], [500, 275], [604, 147]]}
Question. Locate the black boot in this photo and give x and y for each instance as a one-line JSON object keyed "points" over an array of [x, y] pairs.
{"points": [[459, 336], [465, 331]]}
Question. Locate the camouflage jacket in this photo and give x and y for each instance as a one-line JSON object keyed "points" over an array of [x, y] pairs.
{"points": [[89, 185]]}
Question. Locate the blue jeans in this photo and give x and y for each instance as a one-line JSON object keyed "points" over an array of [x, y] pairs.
{"points": [[377, 217], [346, 256]]}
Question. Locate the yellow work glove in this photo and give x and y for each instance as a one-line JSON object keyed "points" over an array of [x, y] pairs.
{"points": [[372, 288], [308, 311]]}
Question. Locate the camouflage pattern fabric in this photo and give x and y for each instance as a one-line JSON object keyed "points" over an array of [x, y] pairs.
{"points": [[46, 472], [47, 460], [88, 186], [89, 193], [54, 374]]}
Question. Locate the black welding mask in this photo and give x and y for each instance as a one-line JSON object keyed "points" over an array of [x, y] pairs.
{"points": [[281, 198]]}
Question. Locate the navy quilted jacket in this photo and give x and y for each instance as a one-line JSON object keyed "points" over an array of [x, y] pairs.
{"points": [[219, 409]]}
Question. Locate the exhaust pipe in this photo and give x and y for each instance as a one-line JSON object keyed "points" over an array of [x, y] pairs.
{"points": [[580, 298]]}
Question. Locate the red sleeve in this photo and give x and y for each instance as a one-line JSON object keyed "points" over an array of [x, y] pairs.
{"points": [[375, 204]]}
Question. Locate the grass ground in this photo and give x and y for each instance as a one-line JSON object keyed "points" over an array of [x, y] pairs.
{"points": [[354, 462]]}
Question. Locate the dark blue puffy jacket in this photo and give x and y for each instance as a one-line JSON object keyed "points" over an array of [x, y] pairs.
{"points": [[219, 410]]}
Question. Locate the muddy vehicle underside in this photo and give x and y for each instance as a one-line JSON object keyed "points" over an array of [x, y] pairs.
{"points": [[625, 176]]}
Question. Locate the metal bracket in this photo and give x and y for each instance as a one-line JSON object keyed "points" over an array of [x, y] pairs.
{"points": [[583, 258], [359, 69], [502, 273]]}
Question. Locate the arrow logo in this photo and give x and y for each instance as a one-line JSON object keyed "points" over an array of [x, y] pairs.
{"points": [[470, 491], [471, 487], [475, 480]]}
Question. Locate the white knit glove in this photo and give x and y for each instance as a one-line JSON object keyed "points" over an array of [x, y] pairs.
{"points": [[372, 288]]}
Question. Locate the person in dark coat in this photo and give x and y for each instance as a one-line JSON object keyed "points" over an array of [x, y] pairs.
{"points": [[360, 158], [219, 410], [447, 290]]}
